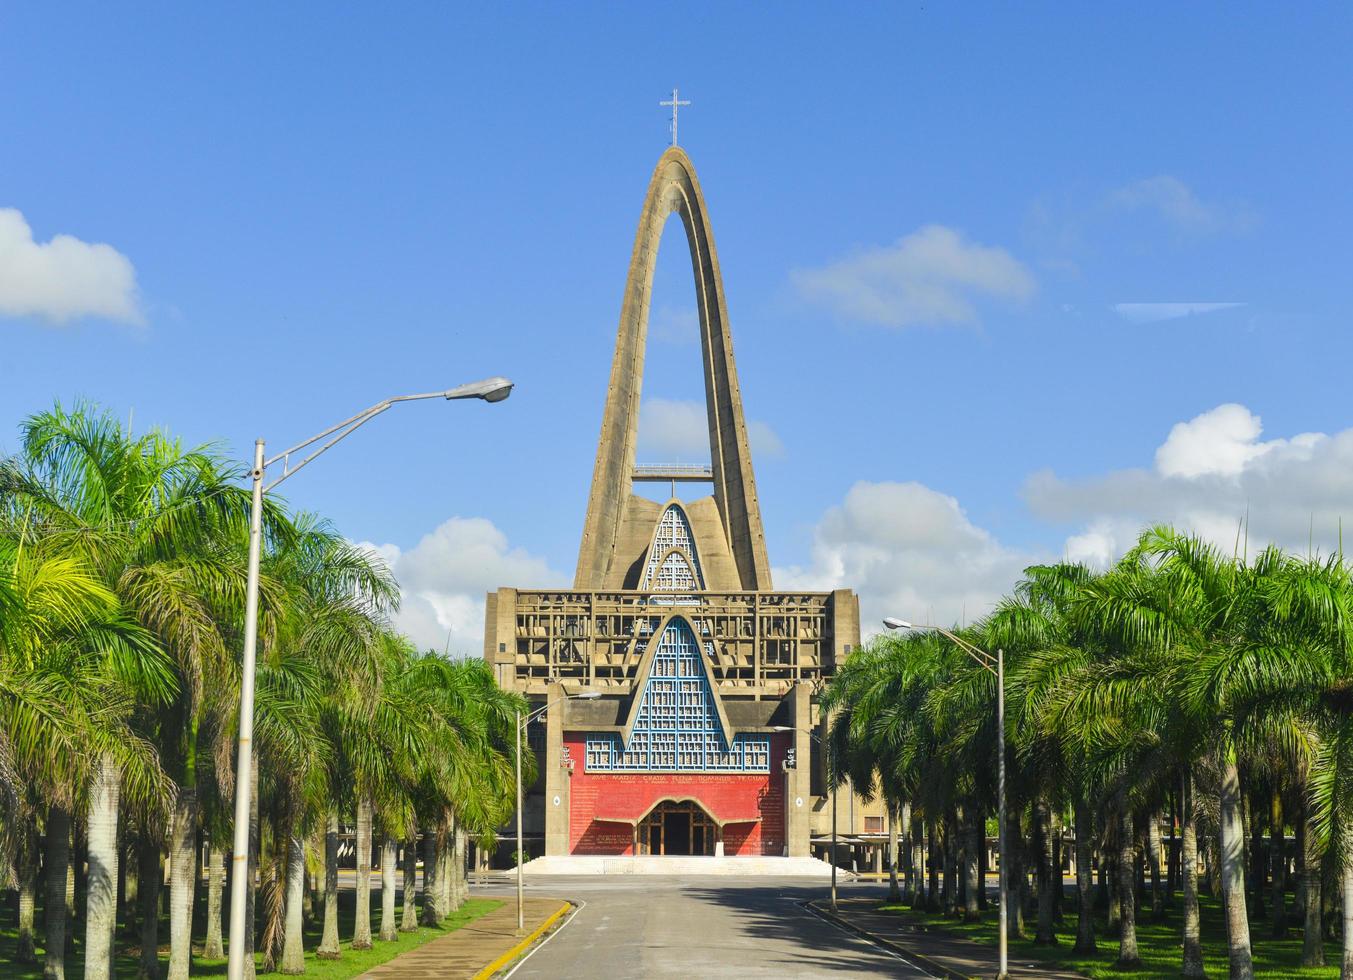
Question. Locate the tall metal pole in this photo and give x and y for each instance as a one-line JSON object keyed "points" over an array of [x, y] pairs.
{"points": [[1000, 806], [521, 921], [240, 882]]}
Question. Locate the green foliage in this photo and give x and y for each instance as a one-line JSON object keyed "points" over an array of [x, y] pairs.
{"points": [[123, 570], [1121, 687]]}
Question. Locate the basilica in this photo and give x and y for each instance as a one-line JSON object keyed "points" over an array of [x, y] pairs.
{"points": [[679, 689]]}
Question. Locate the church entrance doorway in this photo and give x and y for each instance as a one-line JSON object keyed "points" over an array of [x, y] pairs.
{"points": [[677, 828]]}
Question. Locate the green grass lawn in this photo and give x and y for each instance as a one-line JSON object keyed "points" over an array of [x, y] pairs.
{"points": [[350, 964], [1159, 943]]}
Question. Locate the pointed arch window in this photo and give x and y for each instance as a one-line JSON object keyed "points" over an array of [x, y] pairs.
{"points": [[673, 562], [676, 727]]}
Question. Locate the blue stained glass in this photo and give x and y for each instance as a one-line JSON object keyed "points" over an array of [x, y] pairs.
{"points": [[677, 727]]}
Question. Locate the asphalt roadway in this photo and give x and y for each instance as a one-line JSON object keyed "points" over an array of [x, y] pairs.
{"points": [[697, 927]]}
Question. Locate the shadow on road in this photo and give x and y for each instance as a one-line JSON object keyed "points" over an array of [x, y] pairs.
{"points": [[810, 944]]}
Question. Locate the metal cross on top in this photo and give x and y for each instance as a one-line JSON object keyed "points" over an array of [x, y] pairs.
{"points": [[675, 103]]}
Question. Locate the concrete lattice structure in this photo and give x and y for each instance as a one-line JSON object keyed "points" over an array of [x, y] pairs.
{"points": [[673, 619]]}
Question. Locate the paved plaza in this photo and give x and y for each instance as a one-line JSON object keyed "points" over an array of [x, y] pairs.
{"points": [[699, 927]]}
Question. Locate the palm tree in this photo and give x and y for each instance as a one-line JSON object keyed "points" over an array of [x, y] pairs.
{"points": [[153, 519], [83, 667]]}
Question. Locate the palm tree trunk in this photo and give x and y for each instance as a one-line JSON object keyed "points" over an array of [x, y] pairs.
{"points": [[1255, 863], [131, 862], [148, 888], [328, 944], [1313, 929], [1153, 858], [182, 882], [293, 948], [409, 921], [971, 863], [75, 881], [916, 844], [1085, 922], [315, 881], [1044, 934], [1171, 856], [101, 891], [389, 856], [459, 865], [904, 853], [1058, 880], [1232, 846], [445, 846], [431, 913], [1277, 865], [950, 866], [1128, 956], [361, 932], [894, 891], [932, 898], [214, 950], [1014, 879], [1346, 966], [1188, 862], [58, 868], [27, 866]]}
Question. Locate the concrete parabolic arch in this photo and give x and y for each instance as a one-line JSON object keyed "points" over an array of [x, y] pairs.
{"points": [[674, 188]]}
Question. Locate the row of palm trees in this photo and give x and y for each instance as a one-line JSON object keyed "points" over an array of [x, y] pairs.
{"points": [[1185, 688], [122, 582]]}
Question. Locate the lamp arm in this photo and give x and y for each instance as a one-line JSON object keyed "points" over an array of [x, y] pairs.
{"points": [[344, 429], [542, 709], [348, 428], [984, 659]]}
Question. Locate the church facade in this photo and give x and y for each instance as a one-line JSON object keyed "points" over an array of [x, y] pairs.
{"points": [[701, 731]]}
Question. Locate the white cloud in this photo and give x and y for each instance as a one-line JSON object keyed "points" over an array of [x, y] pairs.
{"points": [[1221, 441], [62, 279], [908, 551], [444, 578], [1210, 474], [1175, 202], [677, 430], [1155, 312], [932, 276]]}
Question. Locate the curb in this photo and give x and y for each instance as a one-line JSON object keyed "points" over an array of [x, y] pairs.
{"points": [[522, 946], [938, 969]]}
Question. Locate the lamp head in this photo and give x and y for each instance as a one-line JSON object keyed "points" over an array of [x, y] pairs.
{"points": [[896, 624], [490, 390], [587, 696], [782, 728]]}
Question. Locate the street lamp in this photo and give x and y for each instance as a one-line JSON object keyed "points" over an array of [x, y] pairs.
{"points": [[521, 727], [831, 778], [996, 665], [490, 390]]}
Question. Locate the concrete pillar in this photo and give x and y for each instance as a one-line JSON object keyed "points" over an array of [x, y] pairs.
{"points": [[556, 775], [798, 802], [878, 860]]}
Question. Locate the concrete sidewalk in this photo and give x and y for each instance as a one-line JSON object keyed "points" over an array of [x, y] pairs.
{"points": [[474, 946], [940, 953]]}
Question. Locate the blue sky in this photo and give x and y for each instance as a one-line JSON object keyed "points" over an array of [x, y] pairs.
{"points": [[960, 245]]}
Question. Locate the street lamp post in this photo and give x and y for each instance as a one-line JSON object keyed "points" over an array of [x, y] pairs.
{"points": [[831, 779], [521, 727], [489, 390], [996, 665]]}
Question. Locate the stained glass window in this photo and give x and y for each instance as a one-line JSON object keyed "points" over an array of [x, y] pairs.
{"points": [[673, 565], [677, 727]]}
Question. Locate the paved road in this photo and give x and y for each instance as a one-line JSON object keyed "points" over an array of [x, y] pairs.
{"points": [[698, 927]]}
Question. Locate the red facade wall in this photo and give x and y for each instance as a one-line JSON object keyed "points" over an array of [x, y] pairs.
{"points": [[630, 794]]}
